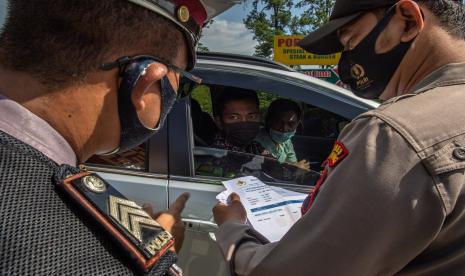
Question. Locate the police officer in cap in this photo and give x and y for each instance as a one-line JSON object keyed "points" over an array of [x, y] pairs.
{"points": [[391, 198], [79, 78]]}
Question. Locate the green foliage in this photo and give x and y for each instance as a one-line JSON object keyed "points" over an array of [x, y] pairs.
{"points": [[267, 19], [316, 13], [274, 17], [202, 48], [265, 100], [202, 94]]}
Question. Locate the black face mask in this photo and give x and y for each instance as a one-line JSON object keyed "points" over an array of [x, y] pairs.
{"points": [[241, 134], [367, 72], [133, 132]]}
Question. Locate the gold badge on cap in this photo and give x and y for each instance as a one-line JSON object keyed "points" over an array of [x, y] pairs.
{"points": [[94, 184], [183, 14]]}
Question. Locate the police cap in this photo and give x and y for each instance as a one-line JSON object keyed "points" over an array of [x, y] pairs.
{"points": [[190, 15]]}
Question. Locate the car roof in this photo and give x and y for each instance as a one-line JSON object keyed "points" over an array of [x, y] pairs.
{"points": [[266, 66], [242, 59]]}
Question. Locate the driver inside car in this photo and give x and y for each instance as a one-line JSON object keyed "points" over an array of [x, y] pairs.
{"points": [[281, 122], [238, 121]]}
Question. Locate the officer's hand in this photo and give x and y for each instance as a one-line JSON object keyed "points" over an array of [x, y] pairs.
{"points": [[234, 211], [171, 221]]}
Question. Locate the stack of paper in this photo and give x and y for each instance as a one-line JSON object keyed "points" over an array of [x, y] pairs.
{"points": [[270, 210]]}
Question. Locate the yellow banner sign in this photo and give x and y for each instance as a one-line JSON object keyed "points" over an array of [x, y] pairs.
{"points": [[288, 52]]}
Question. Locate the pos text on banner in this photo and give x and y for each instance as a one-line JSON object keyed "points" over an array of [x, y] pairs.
{"points": [[288, 52]]}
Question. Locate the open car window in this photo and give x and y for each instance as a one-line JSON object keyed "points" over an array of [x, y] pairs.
{"points": [[313, 141]]}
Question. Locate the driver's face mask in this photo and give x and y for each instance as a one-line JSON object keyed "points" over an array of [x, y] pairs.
{"points": [[133, 131], [241, 134]]}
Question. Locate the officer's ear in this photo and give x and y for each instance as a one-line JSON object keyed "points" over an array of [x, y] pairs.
{"points": [[148, 86], [409, 12]]}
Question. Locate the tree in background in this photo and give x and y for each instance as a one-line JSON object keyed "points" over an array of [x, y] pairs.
{"points": [[267, 19], [202, 48], [315, 14], [274, 17]]}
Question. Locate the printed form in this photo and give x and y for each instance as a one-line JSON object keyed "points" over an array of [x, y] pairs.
{"points": [[270, 210]]}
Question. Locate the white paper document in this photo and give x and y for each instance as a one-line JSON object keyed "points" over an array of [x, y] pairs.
{"points": [[270, 210]]}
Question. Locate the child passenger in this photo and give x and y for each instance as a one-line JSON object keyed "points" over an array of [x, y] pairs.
{"points": [[281, 122]]}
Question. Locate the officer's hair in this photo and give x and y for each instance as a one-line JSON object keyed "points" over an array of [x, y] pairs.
{"points": [[60, 41], [451, 14]]}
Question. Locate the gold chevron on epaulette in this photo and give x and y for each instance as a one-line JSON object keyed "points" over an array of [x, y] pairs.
{"points": [[130, 216], [139, 236]]}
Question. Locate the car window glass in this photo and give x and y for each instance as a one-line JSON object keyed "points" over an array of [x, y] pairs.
{"points": [[313, 141], [133, 159], [202, 116], [317, 122]]}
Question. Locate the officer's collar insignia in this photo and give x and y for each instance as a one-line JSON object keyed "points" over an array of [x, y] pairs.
{"points": [[183, 14], [338, 153]]}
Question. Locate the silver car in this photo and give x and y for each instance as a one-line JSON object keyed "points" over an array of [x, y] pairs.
{"points": [[179, 158]]}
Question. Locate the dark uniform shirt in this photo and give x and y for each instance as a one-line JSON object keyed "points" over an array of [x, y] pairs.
{"points": [[41, 231]]}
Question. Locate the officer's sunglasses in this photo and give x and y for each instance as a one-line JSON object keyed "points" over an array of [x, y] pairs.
{"points": [[121, 64]]}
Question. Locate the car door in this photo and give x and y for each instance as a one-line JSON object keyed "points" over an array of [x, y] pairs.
{"points": [[140, 174], [200, 254]]}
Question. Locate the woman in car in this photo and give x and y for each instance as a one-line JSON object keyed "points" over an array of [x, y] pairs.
{"points": [[281, 122]]}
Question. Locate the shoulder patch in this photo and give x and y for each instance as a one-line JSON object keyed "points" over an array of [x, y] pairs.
{"points": [[338, 154]]}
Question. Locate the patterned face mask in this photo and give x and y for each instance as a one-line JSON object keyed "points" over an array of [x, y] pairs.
{"points": [[133, 131]]}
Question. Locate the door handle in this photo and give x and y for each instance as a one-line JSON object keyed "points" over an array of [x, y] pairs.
{"points": [[202, 226], [199, 225], [191, 224]]}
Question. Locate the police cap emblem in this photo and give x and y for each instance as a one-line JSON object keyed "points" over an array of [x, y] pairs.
{"points": [[183, 14]]}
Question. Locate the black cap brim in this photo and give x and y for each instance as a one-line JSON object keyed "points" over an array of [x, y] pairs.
{"points": [[324, 40]]}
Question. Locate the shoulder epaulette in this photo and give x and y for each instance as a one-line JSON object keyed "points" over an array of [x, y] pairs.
{"points": [[143, 240]]}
